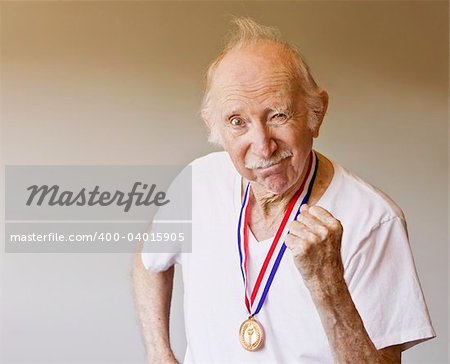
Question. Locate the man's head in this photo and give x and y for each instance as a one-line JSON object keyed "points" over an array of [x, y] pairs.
{"points": [[263, 106]]}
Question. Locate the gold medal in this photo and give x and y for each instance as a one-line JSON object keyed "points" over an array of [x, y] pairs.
{"points": [[251, 334]]}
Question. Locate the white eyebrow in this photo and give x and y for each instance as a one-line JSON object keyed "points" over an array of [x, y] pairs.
{"points": [[227, 113]]}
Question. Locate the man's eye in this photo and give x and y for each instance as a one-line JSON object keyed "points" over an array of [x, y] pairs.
{"points": [[236, 122], [279, 117]]}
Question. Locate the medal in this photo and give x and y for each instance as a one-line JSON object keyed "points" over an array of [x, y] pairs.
{"points": [[251, 332]]}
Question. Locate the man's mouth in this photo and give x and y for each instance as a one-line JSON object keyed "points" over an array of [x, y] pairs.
{"points": [[270, 165]]}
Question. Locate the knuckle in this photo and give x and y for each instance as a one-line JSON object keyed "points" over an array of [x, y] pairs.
{"points": [[288, 240], [313, 237], [294, 225], [314, 209], [322, 230], [336, 224]]}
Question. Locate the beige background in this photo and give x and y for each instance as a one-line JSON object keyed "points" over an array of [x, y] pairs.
{"points": [[120, 83]]}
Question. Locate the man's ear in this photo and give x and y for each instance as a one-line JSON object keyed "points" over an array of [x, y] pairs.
{"points": [[320, 115], [206, 118], [214, 136]]}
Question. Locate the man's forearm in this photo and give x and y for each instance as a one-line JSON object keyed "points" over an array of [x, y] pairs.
{"points": [[153, 293], [344, 327]]}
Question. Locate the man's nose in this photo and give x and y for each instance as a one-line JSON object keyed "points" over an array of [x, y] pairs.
{"points": [[263, 143]]}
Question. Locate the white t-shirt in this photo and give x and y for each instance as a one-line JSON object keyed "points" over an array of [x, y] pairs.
{"points": [[379, 271]]}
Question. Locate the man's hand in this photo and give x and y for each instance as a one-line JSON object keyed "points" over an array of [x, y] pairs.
{"points": [[315, 243]]}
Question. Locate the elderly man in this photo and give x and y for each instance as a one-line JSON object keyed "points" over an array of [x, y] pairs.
{"points": [[294, 259]]}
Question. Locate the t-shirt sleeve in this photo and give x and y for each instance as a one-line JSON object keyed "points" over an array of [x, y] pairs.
{"points": [[158, 261], [383, 282], [172, 220]]}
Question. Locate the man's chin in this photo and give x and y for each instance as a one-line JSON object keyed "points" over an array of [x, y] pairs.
{"points": [[275, 184]]}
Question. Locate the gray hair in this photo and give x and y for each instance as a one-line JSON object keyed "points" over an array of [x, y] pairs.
{"points": [[246, 32]]}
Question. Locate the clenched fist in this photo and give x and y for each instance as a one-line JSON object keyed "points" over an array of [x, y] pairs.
{"points": [[315, 242]]}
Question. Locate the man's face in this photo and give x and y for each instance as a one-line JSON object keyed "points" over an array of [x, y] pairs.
{"points": [[261, 118]]}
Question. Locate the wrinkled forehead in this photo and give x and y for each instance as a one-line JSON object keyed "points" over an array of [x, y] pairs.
{"points": [[257, 72]]}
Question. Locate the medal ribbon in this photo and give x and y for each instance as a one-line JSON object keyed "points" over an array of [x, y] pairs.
{"points": [[276, 251]]}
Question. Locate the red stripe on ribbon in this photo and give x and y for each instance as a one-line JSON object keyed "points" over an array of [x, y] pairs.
{"points": [[247, 303]]}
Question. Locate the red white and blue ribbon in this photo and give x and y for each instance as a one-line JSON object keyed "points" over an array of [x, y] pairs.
{"points": [[278, 247]]}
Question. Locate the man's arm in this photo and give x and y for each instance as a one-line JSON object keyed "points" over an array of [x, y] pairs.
{"points": [[315, 241], [349, 341], [153, 293]]}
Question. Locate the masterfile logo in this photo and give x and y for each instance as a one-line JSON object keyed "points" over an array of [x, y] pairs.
{"points": [[98, 208], [53, 196]]}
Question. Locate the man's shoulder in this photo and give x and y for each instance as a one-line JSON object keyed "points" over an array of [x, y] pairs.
{"points": [[351, 192], [213, 165]]}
